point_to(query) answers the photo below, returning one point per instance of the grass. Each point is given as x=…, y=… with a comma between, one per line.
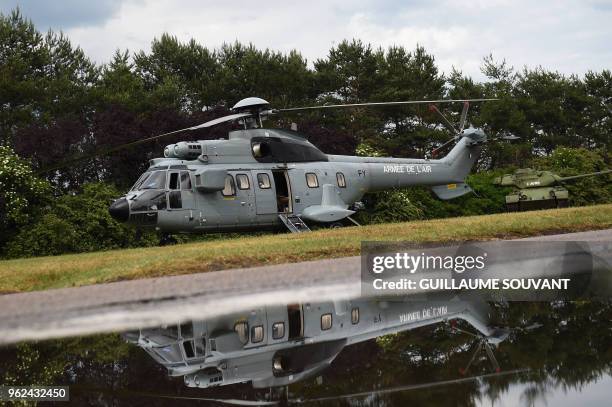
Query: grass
x=91, y=268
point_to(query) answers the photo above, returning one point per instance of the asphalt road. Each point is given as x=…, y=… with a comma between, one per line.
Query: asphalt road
x=152, y=302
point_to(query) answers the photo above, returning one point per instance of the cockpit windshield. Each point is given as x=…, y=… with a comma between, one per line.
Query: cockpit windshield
x=140, y=181
x=156, y=180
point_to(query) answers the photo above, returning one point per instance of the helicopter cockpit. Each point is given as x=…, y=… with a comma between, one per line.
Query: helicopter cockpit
x=159, y=188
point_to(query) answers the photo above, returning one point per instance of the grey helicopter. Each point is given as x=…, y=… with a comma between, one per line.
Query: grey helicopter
x=261, y=178
x=277, y=345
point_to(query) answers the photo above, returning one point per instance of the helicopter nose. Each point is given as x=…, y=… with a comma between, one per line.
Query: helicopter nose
x=120, y=210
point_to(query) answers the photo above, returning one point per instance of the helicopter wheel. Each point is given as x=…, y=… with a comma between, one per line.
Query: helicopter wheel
x=335, y=225
x=167, y=240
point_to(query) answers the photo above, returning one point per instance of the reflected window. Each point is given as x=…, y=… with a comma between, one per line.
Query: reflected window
x=341, y=180
x=185, y=181
x=200, y=347
x=170, y=353
x=187, y=330
x=278, y=330
x=230, y=187
x=189, y=349
x=157, y=180
x=326, y=322
x=263, y=180
x=242, y=329
x=257, y=334
x=174, y=181
x=243, y=181
x=355, y=316
x=311, y=180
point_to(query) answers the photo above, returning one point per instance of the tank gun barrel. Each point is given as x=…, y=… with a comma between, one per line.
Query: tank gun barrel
x=592, y=174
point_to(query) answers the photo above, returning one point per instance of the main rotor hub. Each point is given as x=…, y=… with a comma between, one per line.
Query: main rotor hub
x=251, y=104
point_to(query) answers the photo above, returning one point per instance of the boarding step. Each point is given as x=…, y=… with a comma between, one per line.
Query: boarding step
x=294, y=223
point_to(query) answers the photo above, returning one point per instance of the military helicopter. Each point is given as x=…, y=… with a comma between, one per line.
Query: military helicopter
x=262, y=178
x=538, y=189
x=277, y=345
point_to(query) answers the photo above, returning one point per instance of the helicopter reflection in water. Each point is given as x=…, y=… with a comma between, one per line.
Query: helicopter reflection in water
x=277, y=345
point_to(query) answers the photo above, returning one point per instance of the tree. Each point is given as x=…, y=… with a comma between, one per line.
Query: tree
x=21, y=193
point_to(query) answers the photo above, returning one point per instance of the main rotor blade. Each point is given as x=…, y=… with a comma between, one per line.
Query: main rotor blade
x=407, y=102
x=466, y=106
x=434, y=152
x=106, y=150
x=445, y=121
x=220, y=120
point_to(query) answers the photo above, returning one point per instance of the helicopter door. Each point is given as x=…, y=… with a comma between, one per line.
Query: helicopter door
x=265, y=197
x=283, y=191
x=180, y=192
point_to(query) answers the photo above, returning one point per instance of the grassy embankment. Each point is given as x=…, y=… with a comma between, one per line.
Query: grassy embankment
x=90, y=268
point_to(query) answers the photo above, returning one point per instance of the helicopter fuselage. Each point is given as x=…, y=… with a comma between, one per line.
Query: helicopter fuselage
x=257, y=176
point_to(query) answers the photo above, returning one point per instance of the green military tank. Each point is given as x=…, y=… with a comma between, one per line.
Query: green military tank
x=538, y=189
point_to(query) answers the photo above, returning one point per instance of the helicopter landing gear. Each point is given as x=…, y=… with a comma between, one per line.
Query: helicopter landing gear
x=167, y=240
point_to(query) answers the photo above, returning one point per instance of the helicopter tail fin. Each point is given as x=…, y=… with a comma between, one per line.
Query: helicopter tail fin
x=461, y=160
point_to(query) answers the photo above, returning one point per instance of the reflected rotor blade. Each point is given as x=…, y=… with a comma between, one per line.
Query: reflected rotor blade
x=466, y=106
x=407, y=102
x=411, y=387
x=445, y=121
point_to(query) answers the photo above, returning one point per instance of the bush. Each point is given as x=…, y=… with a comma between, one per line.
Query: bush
x=77, y=223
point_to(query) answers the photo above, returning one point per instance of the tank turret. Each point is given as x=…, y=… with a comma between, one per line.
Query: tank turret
x=536, y=189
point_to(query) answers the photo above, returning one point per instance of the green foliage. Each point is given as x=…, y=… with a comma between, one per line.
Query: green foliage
x=389, y=206
x=21, y=193
x=77, y=223
x=55, y=104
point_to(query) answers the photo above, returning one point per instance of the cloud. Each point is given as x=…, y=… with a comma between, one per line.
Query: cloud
x=564, y=35
x=63, y=14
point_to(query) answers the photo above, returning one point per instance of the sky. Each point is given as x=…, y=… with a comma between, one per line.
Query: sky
x=563, y=35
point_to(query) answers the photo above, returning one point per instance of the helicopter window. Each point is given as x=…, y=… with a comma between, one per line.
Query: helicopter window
x=200, y=347
x=341, y=180
x=243, y=181
x=188, y=347
x=186, y=330
x=355, y=316
x=326, y=322
x=175, y=200
x=157, y=180
x=242, y=329
x=149, y=201
x=263, y=180
x=230, y=187
x=311, y=180
x=140, y=181
x=257, y=334
x=185, y=181
x=174, y=180
x=278, y=330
